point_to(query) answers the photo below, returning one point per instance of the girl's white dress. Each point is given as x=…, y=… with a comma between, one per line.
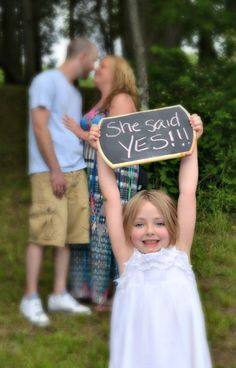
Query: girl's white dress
x=157, y=319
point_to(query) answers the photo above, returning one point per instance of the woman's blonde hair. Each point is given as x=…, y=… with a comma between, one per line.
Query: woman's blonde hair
x=123, y=80
x=162, y=202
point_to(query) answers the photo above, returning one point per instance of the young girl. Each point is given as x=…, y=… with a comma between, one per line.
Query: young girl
x=157, y=319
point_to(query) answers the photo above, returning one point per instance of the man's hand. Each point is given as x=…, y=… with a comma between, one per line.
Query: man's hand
x=58, y=183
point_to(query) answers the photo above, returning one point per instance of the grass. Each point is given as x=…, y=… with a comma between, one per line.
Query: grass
x=76, y=341
x=1, y=77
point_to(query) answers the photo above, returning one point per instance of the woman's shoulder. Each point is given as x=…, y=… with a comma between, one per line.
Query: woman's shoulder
x=122, y=103
x=122, y=97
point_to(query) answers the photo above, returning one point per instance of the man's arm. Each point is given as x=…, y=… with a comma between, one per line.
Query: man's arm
x=40, y=118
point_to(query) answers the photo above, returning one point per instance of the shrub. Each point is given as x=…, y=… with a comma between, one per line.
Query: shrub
x=209, y=92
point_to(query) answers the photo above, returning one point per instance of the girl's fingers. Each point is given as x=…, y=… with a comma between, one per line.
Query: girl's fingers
x=95, y=132
x=95, y=128
x=195, y=121
x=194, y=118
x=94, y=135
x=197, y=124
x=94, y=138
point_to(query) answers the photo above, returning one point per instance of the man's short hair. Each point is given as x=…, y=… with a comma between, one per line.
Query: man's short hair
x=78, y=45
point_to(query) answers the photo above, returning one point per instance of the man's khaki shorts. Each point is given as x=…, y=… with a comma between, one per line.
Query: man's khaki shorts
x=54, y=221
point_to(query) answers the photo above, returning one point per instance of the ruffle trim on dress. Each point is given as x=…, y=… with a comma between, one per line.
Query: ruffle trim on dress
x=162, y=260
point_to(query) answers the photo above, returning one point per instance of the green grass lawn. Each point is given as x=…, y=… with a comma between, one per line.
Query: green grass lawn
x=76, y=341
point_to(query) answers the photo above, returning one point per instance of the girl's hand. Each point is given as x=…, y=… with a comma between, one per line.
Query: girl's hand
x=197, y=124
x=70, y=123
x=94, y=135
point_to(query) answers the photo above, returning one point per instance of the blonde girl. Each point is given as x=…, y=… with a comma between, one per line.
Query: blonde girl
x=157, y=319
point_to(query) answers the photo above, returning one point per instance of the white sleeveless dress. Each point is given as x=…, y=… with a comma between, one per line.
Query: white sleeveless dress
x=157, y=319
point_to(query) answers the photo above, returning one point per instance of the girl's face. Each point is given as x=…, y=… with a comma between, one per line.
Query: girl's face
x=149, y=233
x=104, y=73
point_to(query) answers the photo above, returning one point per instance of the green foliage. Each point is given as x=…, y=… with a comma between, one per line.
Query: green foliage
x=1, y=77
x=209, y=92
x=87, y=83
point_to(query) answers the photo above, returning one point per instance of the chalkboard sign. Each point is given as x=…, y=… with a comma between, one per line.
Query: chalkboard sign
x=146, y=136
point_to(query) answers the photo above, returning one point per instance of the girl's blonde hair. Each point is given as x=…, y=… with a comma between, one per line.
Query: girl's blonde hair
x=123, y=80
x=162, y=202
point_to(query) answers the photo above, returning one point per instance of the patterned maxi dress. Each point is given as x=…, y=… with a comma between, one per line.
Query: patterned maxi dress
x=92, y=267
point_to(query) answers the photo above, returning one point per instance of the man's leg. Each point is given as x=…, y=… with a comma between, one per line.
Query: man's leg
x=61, y=265
x=61, y=300
x=34, y=254
x=31, y=306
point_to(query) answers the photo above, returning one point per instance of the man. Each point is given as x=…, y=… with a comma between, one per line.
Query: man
x=59, y=214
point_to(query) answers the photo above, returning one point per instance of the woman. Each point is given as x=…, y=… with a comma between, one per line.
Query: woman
x=93, y=267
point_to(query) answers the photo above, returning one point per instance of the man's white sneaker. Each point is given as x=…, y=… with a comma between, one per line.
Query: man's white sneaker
x=66, y=303
x=32, y=310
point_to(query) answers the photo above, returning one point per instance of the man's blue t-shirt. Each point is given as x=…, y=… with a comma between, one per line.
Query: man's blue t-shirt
x=51, y=89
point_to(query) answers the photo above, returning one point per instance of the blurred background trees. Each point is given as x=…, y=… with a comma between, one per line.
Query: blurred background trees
x=28, y=29
x=188, y=53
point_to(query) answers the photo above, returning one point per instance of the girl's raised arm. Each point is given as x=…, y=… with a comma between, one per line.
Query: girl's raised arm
x=113, y=212
x=188, y=179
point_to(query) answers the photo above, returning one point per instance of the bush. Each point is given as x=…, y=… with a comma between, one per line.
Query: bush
x=209, y=92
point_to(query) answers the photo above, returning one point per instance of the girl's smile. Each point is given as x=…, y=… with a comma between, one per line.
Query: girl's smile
x=149, y=233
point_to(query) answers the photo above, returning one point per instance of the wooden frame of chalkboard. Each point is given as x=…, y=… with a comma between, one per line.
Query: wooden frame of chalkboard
x=174, y=132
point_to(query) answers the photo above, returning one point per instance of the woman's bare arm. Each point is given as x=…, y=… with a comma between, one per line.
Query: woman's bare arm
x=75, y=128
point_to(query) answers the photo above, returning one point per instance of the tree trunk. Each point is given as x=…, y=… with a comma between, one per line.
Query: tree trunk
x=139, y=52
x=230, y=44
x=125, y=31
x=11, y=58
x=105, y=25
x=29, y=44
x=206, y=50
x=112, y=26
x=37, y=36
x=72, y=4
